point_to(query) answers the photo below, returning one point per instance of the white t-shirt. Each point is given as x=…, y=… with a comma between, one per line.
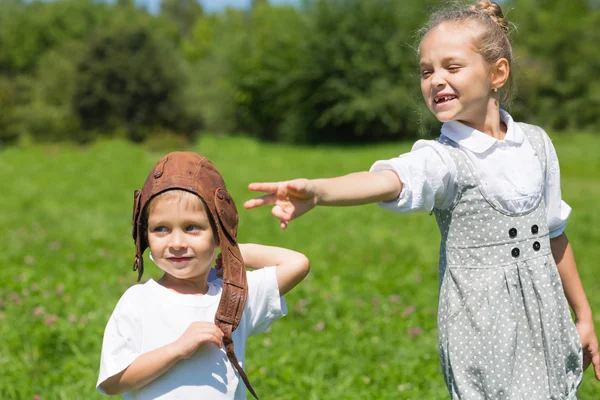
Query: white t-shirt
x=149, y=316
x=508, y=168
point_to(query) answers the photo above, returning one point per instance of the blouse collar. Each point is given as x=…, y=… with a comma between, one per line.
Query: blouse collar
x=477, y=141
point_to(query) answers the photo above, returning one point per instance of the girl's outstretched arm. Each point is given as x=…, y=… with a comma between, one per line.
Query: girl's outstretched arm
x=565, y=261
x=291, y=199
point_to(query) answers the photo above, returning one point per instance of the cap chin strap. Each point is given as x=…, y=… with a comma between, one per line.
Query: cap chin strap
x=235, y=285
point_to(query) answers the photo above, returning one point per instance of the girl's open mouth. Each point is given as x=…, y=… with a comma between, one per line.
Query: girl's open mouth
x=443, y=99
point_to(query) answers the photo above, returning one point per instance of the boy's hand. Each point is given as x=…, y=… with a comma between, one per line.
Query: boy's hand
x=290, y=199
x=589, y=344
x=195, y=335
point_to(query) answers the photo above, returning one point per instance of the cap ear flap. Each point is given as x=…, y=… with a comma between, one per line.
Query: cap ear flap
x=137, y=197
x=227, y=214
x=138, y=262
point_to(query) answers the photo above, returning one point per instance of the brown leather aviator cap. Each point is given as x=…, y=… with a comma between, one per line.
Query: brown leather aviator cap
x=197, y=174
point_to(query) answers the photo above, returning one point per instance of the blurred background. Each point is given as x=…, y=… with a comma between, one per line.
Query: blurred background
x=305, y=72
x=93, y=92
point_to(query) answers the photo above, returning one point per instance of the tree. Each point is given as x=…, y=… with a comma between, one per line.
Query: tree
x=256, y=3
x=183, y=12
x=554, y=66
x=130, y=78
x=342, y=71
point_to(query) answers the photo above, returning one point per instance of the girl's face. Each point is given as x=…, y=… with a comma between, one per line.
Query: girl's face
x=181, y=240
x=455, y=79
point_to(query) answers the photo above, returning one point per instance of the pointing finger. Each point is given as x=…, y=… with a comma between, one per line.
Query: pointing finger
x=268, y=187
x=260, y=201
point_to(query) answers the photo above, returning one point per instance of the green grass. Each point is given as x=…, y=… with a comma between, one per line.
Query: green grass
x=361, y=326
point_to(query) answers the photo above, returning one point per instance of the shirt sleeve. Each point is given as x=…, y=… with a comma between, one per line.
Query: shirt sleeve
x=122, y=341
x=428, y=176
x=264, y=304
x=557, y=210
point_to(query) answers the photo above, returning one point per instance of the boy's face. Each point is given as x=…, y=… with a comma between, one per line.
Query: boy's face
x=180, y=237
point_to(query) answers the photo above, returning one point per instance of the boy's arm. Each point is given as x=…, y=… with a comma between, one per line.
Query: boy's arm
x=290, y=266
x=149, y=366
x=565, y=261
x=293, y=198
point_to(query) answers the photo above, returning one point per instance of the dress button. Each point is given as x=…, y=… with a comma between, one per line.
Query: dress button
x=536, y=246
x=534, y=229
x=512, y=232
x=515, y=252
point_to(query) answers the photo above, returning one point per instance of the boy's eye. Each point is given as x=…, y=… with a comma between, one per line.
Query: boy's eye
x=453, y=68
x=159, y=229
x=191, y=228
x=425, y=73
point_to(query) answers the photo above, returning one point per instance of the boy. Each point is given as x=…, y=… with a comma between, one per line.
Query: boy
x=161, y=341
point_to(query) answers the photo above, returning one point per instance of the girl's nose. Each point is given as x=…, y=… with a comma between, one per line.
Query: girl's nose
x=437, y=80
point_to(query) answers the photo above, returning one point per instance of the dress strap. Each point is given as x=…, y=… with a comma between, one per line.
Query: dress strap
x=465, y=175
x=537, y=139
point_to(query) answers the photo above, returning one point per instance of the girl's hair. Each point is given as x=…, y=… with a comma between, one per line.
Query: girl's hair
x=188, y=199
x=492, y=41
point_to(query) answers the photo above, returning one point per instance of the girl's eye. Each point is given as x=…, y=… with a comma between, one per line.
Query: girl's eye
x=453, y=68
x=425, y=74
x=191, y=228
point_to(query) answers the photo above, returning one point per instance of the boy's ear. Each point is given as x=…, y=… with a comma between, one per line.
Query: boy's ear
x=500, y=72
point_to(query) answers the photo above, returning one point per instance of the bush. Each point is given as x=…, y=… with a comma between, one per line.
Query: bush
x=339, y=71
x=130, y=78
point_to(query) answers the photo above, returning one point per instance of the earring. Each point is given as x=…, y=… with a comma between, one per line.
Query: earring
x=495, y=90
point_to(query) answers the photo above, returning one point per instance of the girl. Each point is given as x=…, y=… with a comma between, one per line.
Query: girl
x=506, y=265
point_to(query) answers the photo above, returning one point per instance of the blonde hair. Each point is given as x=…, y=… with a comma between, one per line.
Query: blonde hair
x=188, y=199
x=492, y=41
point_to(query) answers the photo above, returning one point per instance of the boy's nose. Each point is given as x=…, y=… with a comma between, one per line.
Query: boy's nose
x=177, y=240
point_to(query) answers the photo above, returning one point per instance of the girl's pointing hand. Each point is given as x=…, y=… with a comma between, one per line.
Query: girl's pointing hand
x=290, y=199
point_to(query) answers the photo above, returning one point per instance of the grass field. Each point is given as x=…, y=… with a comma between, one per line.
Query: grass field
x=361, y=326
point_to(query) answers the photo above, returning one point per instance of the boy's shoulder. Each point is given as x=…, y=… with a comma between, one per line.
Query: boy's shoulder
x=134, y=295
x=138, y=289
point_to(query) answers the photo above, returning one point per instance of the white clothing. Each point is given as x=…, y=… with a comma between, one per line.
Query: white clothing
x=149, y=316
x=509, y=171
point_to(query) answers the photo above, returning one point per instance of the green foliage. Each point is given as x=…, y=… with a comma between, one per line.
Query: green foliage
x=325, y=71
x=183, y=12
x=361, y=326
x=216, y=43
x=336, y=72
x=557, y=57
x=28, y=30
x=130, y=78
x=364, y=68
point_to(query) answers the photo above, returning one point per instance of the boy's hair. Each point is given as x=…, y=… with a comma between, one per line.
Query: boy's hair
x=196, y=174
x=492, y=41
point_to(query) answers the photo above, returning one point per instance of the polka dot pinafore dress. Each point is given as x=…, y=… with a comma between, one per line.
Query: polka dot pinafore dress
x=504, y=326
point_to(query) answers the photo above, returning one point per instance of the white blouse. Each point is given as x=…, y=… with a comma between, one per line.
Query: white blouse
x=509, y=170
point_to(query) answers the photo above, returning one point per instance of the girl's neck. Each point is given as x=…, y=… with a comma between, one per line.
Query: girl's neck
x=490, y=123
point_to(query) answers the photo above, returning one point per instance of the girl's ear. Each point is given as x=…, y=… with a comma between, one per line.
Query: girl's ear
x=500, y=71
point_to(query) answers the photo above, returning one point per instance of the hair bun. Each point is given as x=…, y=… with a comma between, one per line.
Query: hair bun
x=492, y=10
